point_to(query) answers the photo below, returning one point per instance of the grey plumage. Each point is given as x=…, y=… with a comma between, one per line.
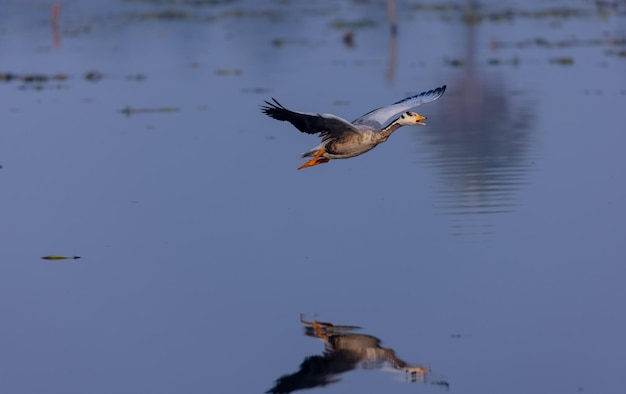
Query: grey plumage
x=342, y=139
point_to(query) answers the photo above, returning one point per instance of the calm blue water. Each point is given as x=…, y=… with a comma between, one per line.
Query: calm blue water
x=488, y=246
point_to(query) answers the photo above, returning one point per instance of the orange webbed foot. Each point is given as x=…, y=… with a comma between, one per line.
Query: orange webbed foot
x=317, y=159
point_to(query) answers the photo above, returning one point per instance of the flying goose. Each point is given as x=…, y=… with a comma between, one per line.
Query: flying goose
x=342, y=139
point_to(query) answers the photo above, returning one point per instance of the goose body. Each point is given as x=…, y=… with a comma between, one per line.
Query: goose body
x=342, y=139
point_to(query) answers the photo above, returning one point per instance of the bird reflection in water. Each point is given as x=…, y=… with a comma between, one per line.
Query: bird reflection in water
x=345, y=351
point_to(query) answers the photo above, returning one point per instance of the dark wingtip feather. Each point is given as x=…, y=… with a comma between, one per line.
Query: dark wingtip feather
x=277, y=103
x=275, y=110
x=269, y=108
x=437, y=92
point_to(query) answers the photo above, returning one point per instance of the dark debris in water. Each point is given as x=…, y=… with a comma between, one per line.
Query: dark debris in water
x=348, y=38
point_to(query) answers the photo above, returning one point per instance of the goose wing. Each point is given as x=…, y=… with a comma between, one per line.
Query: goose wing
x=381, y=115
x=327, y=125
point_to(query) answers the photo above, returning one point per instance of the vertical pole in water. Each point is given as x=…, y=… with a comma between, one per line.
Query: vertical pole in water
x=56, y=8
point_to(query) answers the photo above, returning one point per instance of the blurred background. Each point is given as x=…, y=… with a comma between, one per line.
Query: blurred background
x=487, y=247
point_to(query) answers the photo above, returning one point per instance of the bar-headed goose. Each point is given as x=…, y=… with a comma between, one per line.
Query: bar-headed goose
x=342, y=139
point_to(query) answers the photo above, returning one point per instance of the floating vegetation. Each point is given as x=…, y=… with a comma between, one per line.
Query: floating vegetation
x=226, y=72
x=55, y=257
x=476, y=15
x=31, y=78
x=35, y=81
x=278, y=42
x=568, y=43
x=560, y=13
x=270, y=15
x=617, y=53
x=562, y=61
x=207, y=2
x=93, y=76
x=438, y=7
x=281, y=42
x=455, y=62
x=165, y=15
x=136, y=77
x=183, y=2
x=190, y=11
x=34, y=78
x=40, y=81
x=256, y=90
x=472, y=18
x=131, y=111
x=358, y=24
x=6, y=77
x=514, y=61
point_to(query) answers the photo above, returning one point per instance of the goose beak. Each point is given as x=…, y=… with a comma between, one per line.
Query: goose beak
x=419, y=120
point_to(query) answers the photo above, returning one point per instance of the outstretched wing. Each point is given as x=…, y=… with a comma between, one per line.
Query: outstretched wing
x=327, y=125
x=382, y=114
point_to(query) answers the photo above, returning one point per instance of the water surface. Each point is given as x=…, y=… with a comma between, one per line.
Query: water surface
x=487, y=246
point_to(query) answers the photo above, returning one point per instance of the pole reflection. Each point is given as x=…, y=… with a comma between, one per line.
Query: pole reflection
x=393, y=40
x=345, y=351
x=482, y=146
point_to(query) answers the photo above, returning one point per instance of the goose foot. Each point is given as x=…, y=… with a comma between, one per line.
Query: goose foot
x=317, y=159
x=320, y=327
